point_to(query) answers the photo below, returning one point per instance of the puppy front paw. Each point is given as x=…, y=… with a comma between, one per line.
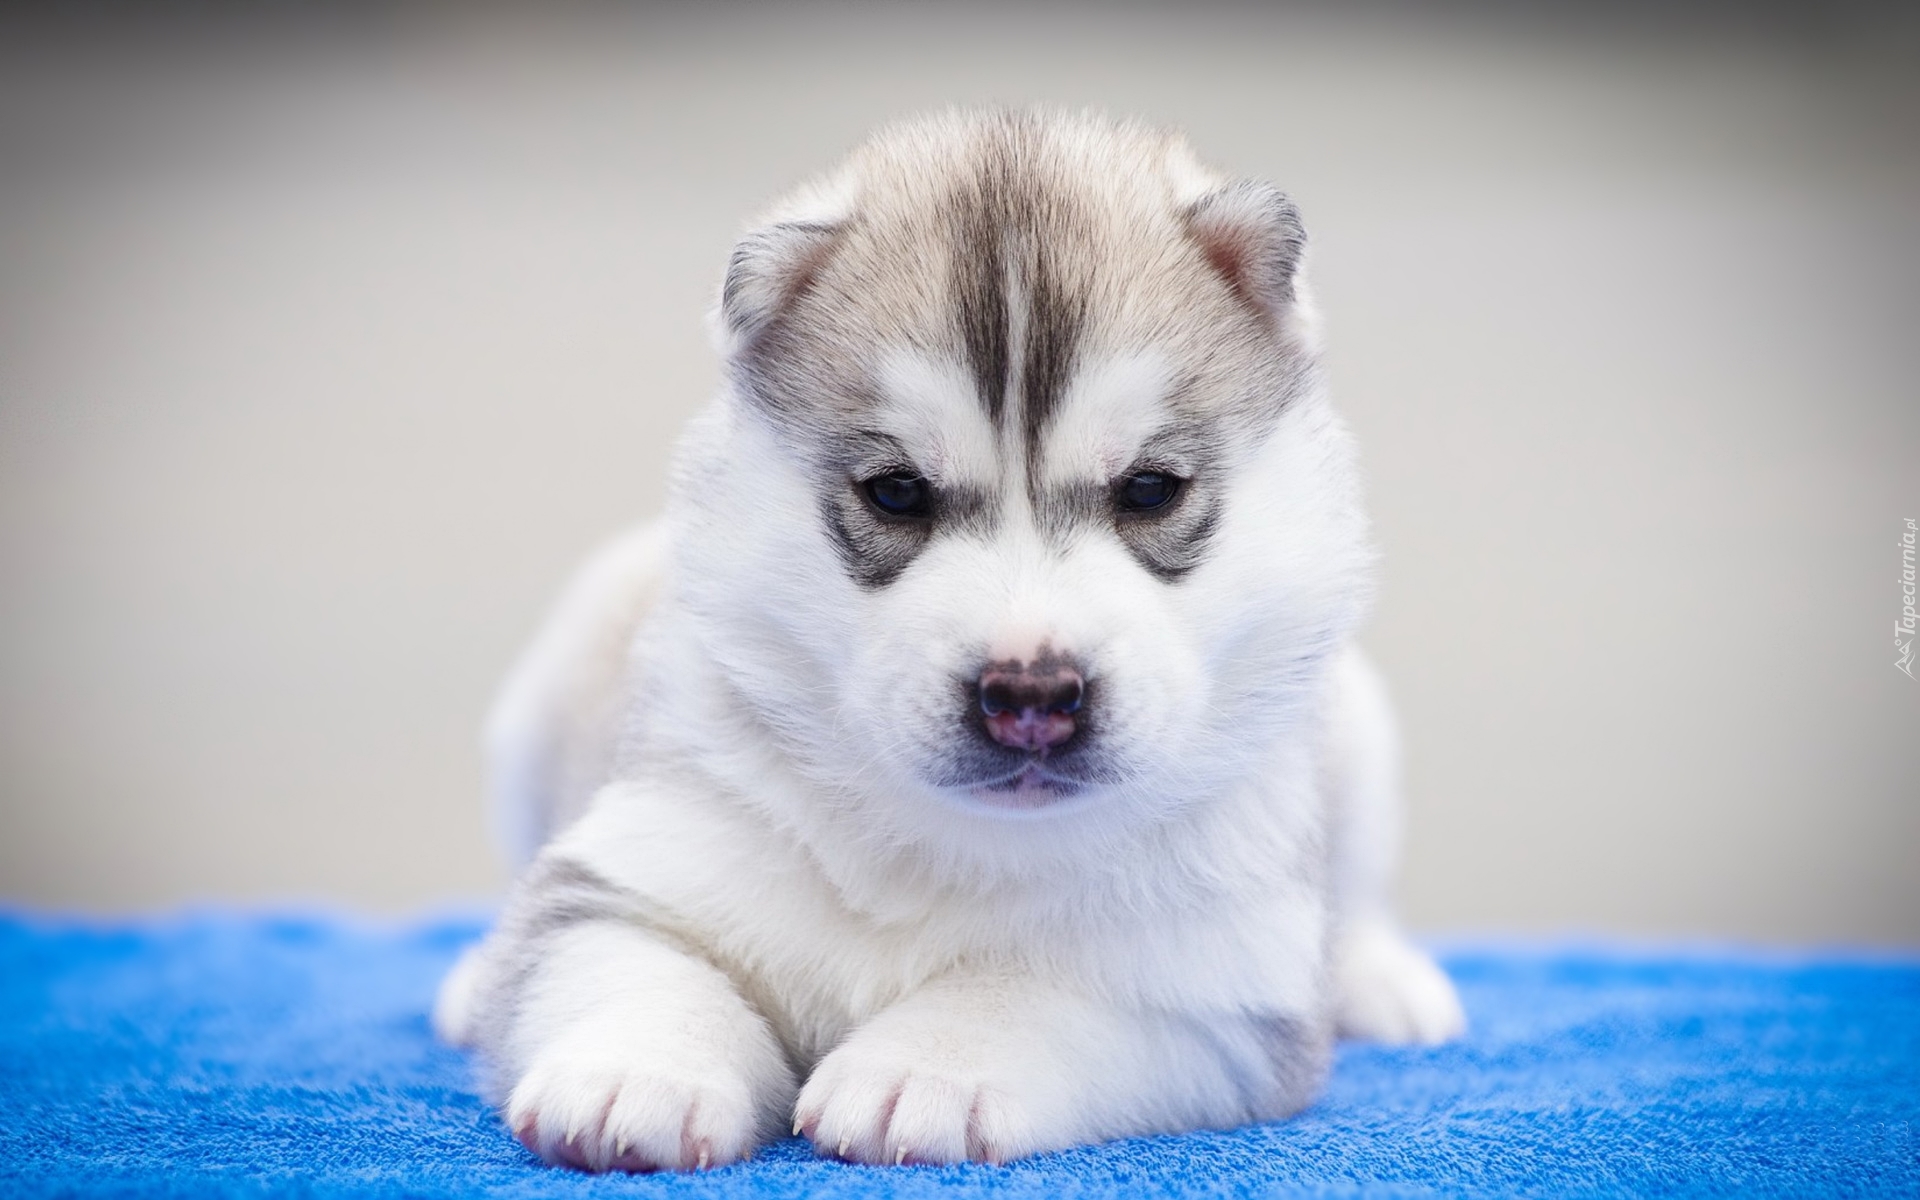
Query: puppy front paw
x=1391, y=991
x=594, y=1113
x=883, y=1100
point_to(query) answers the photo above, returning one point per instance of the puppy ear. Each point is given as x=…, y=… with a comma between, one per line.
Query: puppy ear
x=769, y=268
x=1252, y=235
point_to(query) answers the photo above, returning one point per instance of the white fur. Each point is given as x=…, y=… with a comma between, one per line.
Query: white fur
x=553, y=729
x=773, y=914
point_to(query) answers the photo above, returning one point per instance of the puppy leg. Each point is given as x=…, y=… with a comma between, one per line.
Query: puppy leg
x=616, y=1049
x=996, y=1068
x=1387, y=989
x=550, y=736
x=552, y=731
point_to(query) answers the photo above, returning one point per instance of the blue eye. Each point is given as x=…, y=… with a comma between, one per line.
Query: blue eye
x=900, y=495
x=1147, y=491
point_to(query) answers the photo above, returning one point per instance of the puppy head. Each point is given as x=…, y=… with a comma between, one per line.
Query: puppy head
x=1023, y=498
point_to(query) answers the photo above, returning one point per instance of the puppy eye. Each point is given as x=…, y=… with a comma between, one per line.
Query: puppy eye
x=1148, y=490
x=900, y=494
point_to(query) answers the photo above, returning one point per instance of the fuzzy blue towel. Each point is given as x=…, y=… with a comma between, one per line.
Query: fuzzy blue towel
x=242, y=1056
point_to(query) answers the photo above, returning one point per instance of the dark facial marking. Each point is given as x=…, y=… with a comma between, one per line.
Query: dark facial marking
x=1167, y=507
x=1007, y=224
x=1021, y=242
x=873, y=546
x=881, y=511
x=979, y=291
x=1170, y=541
x=1054, y=320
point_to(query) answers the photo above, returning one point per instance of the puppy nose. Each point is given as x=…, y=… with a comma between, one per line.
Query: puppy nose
x=1030, y=706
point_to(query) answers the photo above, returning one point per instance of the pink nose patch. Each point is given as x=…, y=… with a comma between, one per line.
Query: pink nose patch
x=1029, y=729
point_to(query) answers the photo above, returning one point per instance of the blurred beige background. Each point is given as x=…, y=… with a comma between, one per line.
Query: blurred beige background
x=327, y=347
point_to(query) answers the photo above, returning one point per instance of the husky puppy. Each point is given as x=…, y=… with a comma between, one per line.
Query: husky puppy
x=975, y=760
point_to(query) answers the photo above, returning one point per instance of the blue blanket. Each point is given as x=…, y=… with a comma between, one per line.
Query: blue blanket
x=220, y=1055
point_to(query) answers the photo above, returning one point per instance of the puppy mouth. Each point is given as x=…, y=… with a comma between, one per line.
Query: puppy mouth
x=1031, y=786
x=999, y=779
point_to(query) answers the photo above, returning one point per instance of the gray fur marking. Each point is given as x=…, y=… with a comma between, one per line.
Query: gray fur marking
x=1023, y=246
x=558, y=893
x=1007, y=225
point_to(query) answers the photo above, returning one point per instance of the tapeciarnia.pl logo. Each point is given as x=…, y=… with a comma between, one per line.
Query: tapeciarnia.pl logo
x=1903, y=628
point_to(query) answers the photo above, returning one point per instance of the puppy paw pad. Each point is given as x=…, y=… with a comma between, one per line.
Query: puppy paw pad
x=593, y=1118
x=904, y=1115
